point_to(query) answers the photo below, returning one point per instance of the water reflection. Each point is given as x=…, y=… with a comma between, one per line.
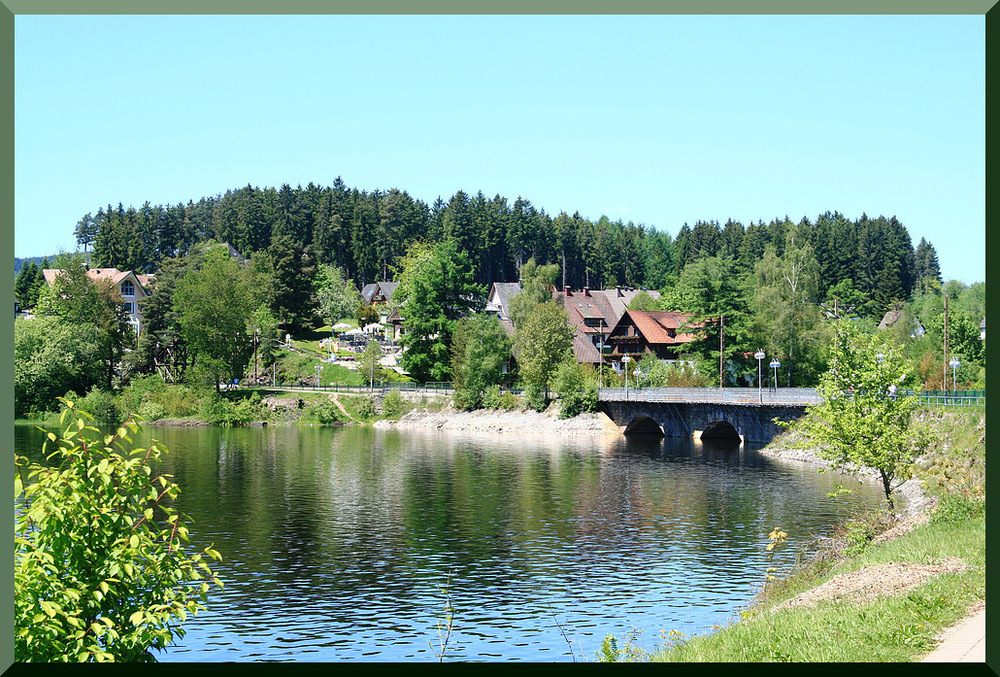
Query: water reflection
x=338, y=543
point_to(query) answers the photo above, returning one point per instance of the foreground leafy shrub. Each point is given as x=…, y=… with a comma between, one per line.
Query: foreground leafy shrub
x=100, y=570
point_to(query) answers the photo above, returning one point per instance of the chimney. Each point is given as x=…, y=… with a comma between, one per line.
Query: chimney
x=586, y=291
x=568, y=290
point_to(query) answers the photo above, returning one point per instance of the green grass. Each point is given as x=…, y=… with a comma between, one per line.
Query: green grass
x=891, y=629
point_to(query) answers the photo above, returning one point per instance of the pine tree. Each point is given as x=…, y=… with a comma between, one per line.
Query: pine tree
x=925, y=260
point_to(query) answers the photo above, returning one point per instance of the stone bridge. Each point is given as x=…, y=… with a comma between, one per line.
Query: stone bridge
x=743, y=413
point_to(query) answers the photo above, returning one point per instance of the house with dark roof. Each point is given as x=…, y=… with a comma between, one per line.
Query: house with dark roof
x=646, y=332
x=378, y=293
x=498, y=302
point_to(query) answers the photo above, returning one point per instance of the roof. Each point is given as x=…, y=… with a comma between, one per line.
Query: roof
x=383, y=289
x=890, y=318
x=658, y=327
x=500, y=295
x=584, y=349
x=620, y=297
x=112, y=275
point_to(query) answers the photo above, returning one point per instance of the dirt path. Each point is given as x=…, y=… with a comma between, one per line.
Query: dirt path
x=336, y=400
x=877, y=580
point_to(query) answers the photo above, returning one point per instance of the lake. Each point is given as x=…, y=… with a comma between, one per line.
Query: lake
x=347, y=543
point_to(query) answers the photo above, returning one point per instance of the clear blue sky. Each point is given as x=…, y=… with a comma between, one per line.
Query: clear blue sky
x=660, y=120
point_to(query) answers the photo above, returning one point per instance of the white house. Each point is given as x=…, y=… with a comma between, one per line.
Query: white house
x=129, y=285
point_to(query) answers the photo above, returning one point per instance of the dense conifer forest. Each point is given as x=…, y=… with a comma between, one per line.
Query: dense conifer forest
x=366, y=234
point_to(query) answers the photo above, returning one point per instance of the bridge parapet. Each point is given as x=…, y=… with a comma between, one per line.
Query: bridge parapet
x=745, y=396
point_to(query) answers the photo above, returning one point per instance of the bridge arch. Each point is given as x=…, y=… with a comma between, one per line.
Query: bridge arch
x=643, y=425
x=720, y=430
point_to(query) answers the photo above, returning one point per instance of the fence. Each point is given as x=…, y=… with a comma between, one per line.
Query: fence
x=779, y=396
x=793, y=396
x=785, y=396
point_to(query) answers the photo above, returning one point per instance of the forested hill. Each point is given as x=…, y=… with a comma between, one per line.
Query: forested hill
x=367, y=232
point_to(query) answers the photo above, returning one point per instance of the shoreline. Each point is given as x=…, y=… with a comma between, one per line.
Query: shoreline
x=492, y=421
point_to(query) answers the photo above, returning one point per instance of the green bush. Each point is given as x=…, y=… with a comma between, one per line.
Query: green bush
x=179, y=401
x=323, y=411
x=491, y=398
x=535, y=397
x=365, y=407
x=393, y=404
x=510, y=402
x=578, y=401
x=219, y=410
x=102, y=407
x=151, y=411
x=953, y=508
x=142, y=389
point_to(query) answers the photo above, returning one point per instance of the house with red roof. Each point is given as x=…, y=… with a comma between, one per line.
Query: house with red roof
x=646, y=332
x=593, y=314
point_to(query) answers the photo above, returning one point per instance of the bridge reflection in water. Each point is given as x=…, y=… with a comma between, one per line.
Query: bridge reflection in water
x=742, y=414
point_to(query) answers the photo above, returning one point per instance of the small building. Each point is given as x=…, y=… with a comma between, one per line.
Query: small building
x=643, y=332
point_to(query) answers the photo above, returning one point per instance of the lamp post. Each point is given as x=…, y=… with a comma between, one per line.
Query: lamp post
x=774, y=365
x=954, y=364
x=638, y=373
x=760, y=393
x=625, y=360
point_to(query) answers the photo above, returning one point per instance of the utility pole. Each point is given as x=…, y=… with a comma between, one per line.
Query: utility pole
x=944, y=358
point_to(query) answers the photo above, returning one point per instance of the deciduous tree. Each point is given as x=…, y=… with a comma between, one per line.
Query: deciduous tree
x=479, y=349
x=439, y=291
x=214, y=304
x=863, y=418
x=541, y=343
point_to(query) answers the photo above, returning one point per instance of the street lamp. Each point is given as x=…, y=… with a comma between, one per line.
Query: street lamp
x=638, y=373
x=954, y=364
x=774, y=365
x=625, y=360
x=760, y=393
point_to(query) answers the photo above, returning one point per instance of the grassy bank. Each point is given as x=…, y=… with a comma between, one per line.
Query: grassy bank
x=870, y=595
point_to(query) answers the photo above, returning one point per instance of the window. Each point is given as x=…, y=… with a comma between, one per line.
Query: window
x=128, y=289
x=127, y=307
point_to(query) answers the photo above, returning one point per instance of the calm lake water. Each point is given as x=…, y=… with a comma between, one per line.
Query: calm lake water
x=344, y=543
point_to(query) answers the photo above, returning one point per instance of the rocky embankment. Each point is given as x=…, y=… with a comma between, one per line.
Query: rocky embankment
x=492, y=422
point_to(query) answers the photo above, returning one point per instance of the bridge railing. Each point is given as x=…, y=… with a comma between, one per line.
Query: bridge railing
x=786, y=396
